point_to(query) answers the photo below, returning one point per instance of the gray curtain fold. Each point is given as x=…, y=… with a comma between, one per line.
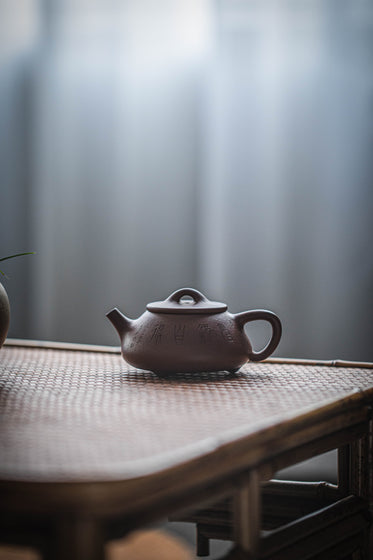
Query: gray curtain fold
x=151, y=145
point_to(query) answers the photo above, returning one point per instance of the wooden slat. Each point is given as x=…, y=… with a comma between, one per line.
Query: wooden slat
x=68, y=346
x=331, y=363
x=285, y=499
x=25, y=343
x=331, y=524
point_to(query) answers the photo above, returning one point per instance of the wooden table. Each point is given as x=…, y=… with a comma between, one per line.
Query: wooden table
x=91, y=448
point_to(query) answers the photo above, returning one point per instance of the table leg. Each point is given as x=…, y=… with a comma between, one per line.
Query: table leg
x=76, y=539
x=344, y=454
x=247, y=516
x=361, y=468
x=356, y=474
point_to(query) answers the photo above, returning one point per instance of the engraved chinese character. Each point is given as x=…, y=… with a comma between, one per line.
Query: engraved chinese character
x=179, y=333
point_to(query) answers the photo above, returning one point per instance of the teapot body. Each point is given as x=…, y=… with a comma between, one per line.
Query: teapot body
x=191, y=336
x=167, y=343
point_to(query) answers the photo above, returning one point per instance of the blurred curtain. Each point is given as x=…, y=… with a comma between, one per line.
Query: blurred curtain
x=152, y=144
x=290, y=141
x=117, y=100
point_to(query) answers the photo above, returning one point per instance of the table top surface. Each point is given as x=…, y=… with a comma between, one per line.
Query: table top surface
x=73, y=413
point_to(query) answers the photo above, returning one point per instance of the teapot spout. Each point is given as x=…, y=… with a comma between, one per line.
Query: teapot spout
x=120, y=321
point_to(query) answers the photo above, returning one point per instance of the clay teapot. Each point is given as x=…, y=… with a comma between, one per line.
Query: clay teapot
x=188, y=333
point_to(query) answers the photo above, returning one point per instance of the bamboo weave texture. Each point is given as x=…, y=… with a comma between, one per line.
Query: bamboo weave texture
x=89, y=416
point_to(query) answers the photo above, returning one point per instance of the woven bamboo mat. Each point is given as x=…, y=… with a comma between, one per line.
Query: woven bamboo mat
x=81, y=415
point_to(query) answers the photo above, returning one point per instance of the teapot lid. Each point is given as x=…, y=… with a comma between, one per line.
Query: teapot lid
x=194, y=302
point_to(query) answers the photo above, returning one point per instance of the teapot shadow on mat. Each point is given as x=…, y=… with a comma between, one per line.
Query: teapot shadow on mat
x=203, y=379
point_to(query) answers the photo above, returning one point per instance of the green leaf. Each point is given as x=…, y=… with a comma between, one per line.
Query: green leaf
x=16, y=255
x=12, y=257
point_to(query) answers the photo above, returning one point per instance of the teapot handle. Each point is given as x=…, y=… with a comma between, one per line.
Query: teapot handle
x=262, y=315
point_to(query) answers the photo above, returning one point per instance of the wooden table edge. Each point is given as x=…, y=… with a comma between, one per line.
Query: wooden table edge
x=71, y=346
x=229, y=461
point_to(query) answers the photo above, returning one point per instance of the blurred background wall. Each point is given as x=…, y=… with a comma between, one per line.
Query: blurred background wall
x=147, y=145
